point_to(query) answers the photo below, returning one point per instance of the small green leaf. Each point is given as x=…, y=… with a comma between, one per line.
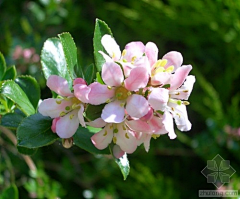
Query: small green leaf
x=53, y=60
x=89, y=73
x=99, y=78
x=82, y=138
x=78, y=71
x=35, y=131
x=101, y=28
x=26, y=151
x=11, y=73
x=12, y=120
x=70, y=52
x=30, y=86
x=93, y=112
x=10, y=192
x=3, y=67
x=166, y=86
x=124, y=166
x=13, y=91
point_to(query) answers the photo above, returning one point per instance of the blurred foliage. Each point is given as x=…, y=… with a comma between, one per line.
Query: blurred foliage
x=206, y=32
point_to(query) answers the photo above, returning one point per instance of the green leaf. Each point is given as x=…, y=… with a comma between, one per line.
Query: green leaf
x=2, y=66
x=93, y=112
x=11, y=73
x=99, y=78
x=26, y=151
x=30, y=86
x=35, y=131
x=78, y=71
x=82, y=138
x=12, y=120
x=53, y=60
x=101, y=28
x=70, y=52
x=13, y=91
x=10, y=192
x=124, y=166
x=89, y=73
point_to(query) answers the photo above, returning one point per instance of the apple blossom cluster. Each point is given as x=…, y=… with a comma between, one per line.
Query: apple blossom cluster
x=142, y=96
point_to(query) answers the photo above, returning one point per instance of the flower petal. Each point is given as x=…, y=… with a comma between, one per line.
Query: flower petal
x=111, y=47
x=139, y=126
x=179, y=76
x=54, y=122
x=134, y=50
x=168, y=123
x=161, y=78
x=151, y=52
x=67, y=125
x=112, y=74
x=99, y=93
x=117, y=152
x=126, y=140
x=138, y=78
x=185, y=90
x=97, y=123
x=181, y=118
x=79, y=81
x=59, y=85
x=81, y=92
x=80, y=116
x=53, y=107
x=113, y=112
x=137, y=106
x=158, y=98
x=174, y=58
x=103, y=138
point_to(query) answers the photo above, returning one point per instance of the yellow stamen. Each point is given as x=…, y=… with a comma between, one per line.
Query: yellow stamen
x=126, y=135
x=124, y=52
x=58, y=101
x=169, y=69
x=114, y=140
x=105, y=133
x=155, y=136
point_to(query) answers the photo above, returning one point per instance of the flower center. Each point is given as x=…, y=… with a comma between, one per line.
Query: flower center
x=122, y=93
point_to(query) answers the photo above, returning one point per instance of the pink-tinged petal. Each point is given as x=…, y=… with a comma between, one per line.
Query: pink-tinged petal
x=134, y=50
x=81, y=92
x=146, y=142
x=80, y=116
x=68, y=125
x=111, y=47
x=99, y=93
x=143, y=62
x=53, y=107
x=137, y=106
x=97, y=123
x=151, y=51
x=180, y=116
x=174, y=58
x=138, y=78
x=179, y=76
x=127, y=67
x=117, y=152
x=157, y=125
x=161, y=78
x=54, y=122
x=103, y=138
x=59, y=85
x=185, y=90
x=79, y=81
x=148, y=116
x=112, y=74
x=168, y=123
x=113, y=112
x=139, y=126
x=126, y=140
x=158, y=98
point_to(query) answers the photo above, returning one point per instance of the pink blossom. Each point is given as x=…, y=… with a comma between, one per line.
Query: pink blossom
x=119, y=134
x=120, y=93
x=132, y=56
x=67, y=110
